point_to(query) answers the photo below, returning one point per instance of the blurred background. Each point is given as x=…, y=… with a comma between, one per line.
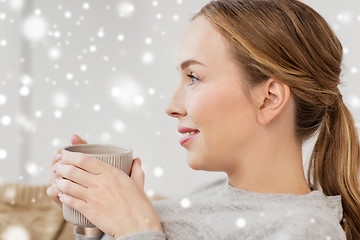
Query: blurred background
x=105, y=70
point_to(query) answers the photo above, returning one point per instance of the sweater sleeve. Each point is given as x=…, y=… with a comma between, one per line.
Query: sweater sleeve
x=145, y=235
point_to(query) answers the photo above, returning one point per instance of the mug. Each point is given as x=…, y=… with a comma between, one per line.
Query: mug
x=117, y=156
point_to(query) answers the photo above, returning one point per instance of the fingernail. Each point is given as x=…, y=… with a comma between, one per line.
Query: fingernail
x=60, y=194
x=139, y=161
x=54, y=168
x=59, y=156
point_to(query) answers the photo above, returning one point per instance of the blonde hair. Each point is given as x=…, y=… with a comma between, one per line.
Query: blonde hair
x=291, y=42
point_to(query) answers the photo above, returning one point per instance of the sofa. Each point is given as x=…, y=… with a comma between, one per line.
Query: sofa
x=27, y=213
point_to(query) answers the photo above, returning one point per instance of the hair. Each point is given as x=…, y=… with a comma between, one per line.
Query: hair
x=289, y=41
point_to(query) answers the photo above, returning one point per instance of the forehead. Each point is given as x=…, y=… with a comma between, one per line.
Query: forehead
x=202, y=42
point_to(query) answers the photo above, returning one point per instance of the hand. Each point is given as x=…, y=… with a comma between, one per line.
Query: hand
x=105, y=195
x=53, y=190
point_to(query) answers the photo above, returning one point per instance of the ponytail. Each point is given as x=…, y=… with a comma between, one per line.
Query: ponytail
x=335, y=163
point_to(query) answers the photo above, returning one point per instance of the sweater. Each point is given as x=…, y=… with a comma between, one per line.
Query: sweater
x=220, y=211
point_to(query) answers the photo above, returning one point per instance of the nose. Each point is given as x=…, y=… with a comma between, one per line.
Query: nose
x=176, y=106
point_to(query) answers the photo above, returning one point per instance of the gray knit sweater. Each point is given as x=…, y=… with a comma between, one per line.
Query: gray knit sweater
x=220, y=211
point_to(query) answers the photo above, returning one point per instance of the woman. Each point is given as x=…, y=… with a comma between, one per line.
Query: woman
x=258, y=78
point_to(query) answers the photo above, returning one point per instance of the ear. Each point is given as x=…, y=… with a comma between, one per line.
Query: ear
x=272, y=96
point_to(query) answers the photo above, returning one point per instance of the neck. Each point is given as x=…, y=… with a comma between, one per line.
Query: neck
x=271, y=170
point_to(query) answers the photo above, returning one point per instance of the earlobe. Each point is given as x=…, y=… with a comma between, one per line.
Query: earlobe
x=274, y=98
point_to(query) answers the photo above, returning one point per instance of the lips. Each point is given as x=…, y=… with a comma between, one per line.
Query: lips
x=189, y=134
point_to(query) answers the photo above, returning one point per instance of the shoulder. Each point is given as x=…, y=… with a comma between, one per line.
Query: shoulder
x=310, y=224
x=296, y=224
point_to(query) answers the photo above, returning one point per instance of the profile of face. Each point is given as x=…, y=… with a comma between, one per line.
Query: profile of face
x=209, y=101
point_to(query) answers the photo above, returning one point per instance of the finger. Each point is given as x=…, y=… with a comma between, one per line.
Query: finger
x=70, y=188
x=137, y=173
x=53, y=192
x=54, y=158
x=74, y=174
x=53, y=174
x=72, y=202
x=85, y=162
x=75, y=139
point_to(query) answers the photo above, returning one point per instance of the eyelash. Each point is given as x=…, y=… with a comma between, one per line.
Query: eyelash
x=191, y=78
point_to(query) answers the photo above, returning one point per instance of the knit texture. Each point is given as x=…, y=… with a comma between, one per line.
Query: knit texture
x=220, y=211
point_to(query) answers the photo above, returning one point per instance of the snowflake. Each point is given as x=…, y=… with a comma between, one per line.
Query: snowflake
x=148, y=41
x=354, y=101
x=158, y=172
x=97, y=107
x=185, y=203
x=24, y=91
x=15, y=233
x=147, y=58
x=175, y=17
x=151, y=91
x=86, y=6
x=158, y=16
x=37, y=12
x=57, y=114
x=67, y=14
x=105, y=137
x=120, y=37
x=38, y=113
x=6, y=120
x=2, y=16
x=240, y=222
x=35, y=28
x=150, y=193
x=2, y=99
x=54, y=53
x=55, y=142
x=3, y=42
x=32, y=169
x=92, y=48
x=119, y=126
x=3, y=154
x=345, y=17
x=83, y=67
x=139, y=100
x=16, y=4
x=125, y=9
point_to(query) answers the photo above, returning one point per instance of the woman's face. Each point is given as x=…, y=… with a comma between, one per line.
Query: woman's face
x=209, y=101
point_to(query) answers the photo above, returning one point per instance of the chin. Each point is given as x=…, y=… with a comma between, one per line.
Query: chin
x=198, y=164
x=194, y=163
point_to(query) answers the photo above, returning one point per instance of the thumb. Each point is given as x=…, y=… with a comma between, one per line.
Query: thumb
x=75, y=139
x=137, y=173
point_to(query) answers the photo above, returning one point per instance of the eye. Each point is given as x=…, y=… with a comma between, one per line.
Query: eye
x=193, y=79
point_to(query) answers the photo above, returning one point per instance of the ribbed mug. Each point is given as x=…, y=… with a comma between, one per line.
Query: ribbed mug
x=117, y=156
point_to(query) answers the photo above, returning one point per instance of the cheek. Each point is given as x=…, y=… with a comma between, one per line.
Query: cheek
x=214, y=106
x=222, y=114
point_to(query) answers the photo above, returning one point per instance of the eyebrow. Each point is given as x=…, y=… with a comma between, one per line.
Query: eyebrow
x=189, y=62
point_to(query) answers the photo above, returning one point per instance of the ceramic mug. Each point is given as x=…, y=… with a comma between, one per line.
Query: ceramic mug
x=117, y=156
